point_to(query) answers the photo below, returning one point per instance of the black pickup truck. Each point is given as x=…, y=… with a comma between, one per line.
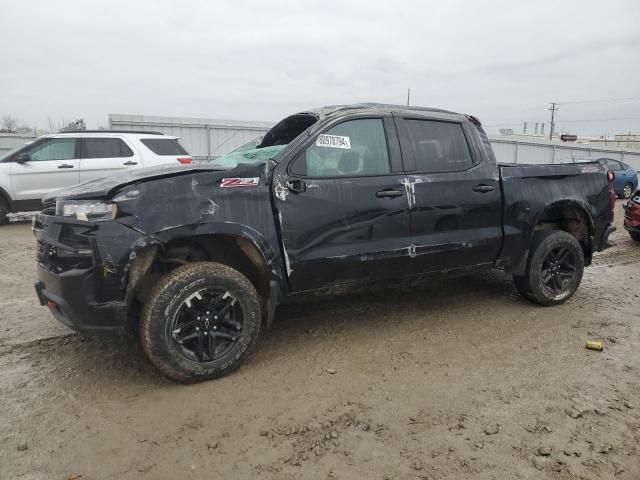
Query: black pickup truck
x=196, y=258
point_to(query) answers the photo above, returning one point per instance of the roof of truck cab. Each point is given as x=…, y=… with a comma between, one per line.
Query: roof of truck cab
x=385, y=107
x=374, y=108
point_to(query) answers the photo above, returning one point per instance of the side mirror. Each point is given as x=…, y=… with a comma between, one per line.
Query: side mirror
x=22, y=158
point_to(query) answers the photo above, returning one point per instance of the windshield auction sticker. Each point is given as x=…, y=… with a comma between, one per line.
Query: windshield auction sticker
x=333, y=141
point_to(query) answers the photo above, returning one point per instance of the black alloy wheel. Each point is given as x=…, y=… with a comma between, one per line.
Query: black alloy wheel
x=558, y=270
x=200, y=321
x=554, y=268
x=207, y=325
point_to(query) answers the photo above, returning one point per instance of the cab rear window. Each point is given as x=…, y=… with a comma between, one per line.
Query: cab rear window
x=164, y=146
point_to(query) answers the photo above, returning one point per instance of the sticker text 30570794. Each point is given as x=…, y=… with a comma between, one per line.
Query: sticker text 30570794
x=333, y=141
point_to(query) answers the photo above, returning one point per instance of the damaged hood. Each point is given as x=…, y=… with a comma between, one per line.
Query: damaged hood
x=105, y=186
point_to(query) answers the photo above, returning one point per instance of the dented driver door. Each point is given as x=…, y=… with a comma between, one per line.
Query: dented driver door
x=342, y=206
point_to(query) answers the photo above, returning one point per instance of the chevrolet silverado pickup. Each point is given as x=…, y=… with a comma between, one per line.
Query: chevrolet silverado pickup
x=196, y=258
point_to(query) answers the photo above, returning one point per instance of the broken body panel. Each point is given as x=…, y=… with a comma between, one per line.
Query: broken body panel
x=302, y=233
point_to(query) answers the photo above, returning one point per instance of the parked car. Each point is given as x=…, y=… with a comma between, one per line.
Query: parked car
x=65, y=159
x=632, y=217
x=196, y=259
x=626, y=177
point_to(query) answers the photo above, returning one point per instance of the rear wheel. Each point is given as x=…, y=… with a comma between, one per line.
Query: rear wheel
x=635, y=236
x=200, y=322
x=554, y=269
x=522, y=287
x=627, y=191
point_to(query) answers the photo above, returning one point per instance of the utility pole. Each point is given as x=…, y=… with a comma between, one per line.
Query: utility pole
x=408, y=95
x=553, y=109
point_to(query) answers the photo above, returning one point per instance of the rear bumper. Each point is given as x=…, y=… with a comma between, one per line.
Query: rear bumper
x=632, y=230
x=632, y=216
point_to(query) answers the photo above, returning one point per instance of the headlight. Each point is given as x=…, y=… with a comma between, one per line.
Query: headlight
x=86, y=210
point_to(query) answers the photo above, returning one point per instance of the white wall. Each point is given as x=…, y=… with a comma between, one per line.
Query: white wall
x=518, y=151
x=202, y=137
x=9, y=141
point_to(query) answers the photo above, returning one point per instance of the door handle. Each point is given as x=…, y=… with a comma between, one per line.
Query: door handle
x=65, y=165
x=484, y=188
x=296, y=186
x=130, y=162
x=388, y=193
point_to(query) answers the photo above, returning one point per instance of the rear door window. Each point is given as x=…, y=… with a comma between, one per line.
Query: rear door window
x=105, y=148
x=54, y=149
x=164, y=146
x=436, y=146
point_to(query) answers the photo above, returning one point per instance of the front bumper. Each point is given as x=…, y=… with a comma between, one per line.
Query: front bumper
x=63, y=295
x=82, y=271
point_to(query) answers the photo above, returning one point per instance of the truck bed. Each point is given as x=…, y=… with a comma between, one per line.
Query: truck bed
x=539, y=192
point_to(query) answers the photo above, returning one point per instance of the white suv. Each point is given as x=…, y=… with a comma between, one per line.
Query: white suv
x=64, y=159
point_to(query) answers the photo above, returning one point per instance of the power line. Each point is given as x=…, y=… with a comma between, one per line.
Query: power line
x=570, y=121
x=515, y=112
x=604, y=100
x=600, y=119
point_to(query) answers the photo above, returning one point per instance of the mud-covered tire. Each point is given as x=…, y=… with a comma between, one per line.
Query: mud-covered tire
x=166, y=302
x=534, y=284
x=4, y=210
x=635, y=236
x=522, y=287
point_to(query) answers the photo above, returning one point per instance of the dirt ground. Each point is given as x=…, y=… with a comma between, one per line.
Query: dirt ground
x=459, y=379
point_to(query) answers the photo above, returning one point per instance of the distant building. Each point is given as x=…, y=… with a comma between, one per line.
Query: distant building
x=627, y=140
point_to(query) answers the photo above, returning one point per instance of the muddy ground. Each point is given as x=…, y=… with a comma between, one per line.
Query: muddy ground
x=459, y=379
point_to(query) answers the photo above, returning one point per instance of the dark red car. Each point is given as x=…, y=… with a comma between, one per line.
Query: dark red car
x=632, y=217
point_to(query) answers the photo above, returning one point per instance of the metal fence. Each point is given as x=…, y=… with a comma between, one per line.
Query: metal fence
x=519, y=151
x=210, y=138
x=9, y=141
x=203, y=138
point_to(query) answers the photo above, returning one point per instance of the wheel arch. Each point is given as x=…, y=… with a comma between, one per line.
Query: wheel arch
x=4, y=195
x=235, y=246
x=573, y=217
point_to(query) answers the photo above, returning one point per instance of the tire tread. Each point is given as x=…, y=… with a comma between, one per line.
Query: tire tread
x=182, y=274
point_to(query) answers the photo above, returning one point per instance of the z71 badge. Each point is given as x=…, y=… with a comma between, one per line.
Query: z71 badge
x=240, y=182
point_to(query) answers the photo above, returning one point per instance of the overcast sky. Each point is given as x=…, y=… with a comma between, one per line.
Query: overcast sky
x=502, y=61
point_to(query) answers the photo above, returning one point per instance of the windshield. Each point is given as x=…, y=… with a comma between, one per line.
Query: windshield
x=250, y=145
x=251, y=155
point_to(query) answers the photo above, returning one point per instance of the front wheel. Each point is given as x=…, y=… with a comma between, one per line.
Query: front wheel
x=200, y=322
x=627, y=191
x=4, y=210
x=554, y=269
